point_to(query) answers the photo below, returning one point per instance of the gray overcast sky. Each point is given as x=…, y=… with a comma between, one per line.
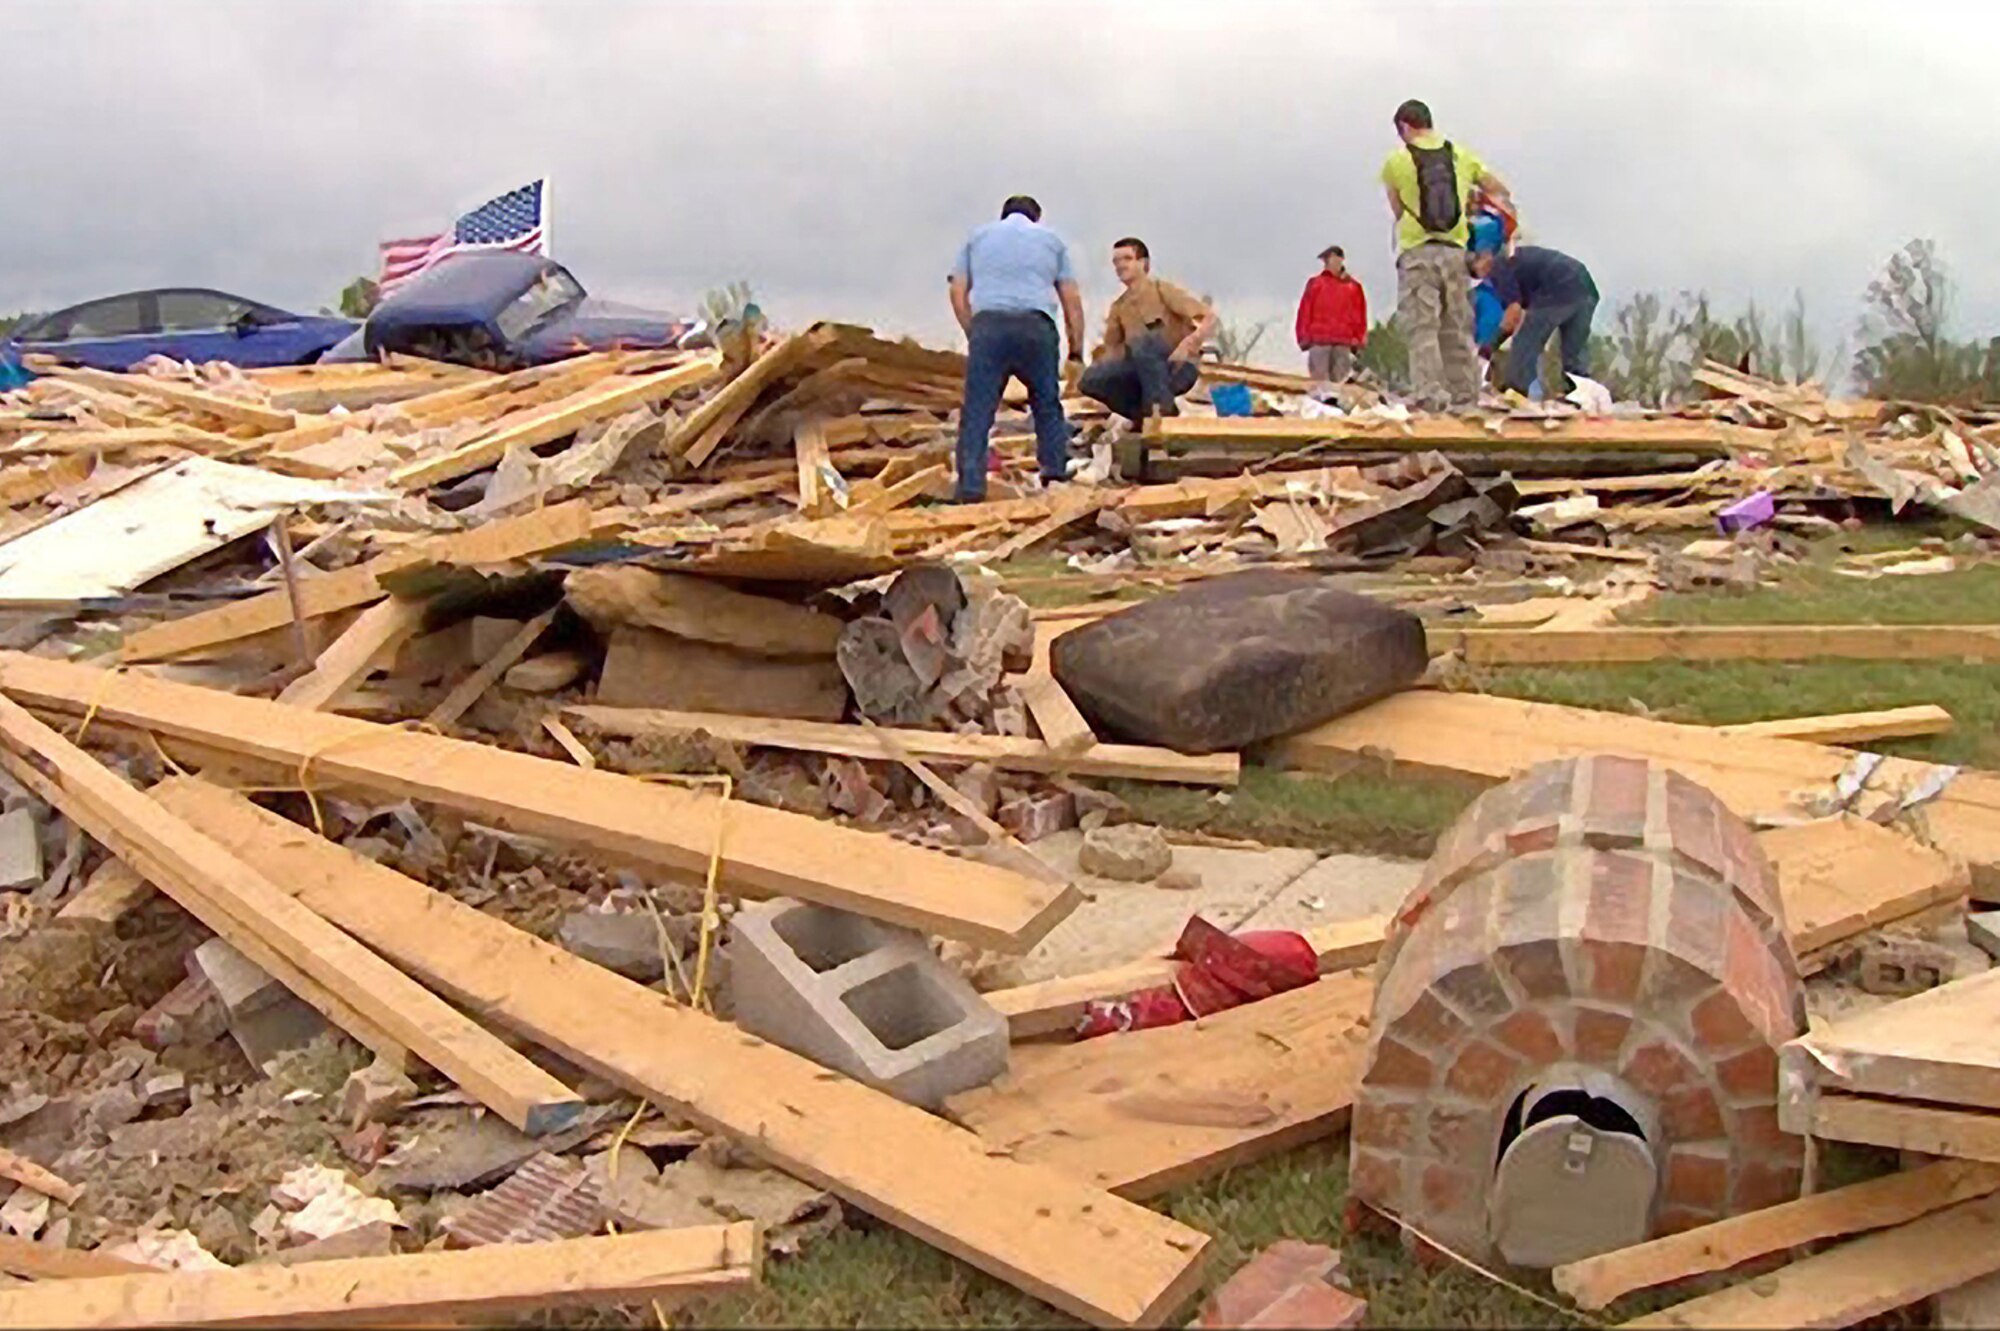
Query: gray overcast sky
x=834, y=153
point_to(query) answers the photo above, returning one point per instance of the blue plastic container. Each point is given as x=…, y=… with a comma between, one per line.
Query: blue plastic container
x=1230, y=399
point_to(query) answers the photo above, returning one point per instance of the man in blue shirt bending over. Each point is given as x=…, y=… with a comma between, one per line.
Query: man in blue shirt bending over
x=1010, y=279
x=1545, y=294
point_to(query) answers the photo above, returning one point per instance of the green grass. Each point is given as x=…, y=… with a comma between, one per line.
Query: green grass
x=1363, y=811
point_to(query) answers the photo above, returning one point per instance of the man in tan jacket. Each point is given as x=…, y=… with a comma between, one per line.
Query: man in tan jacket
x=1152, y=340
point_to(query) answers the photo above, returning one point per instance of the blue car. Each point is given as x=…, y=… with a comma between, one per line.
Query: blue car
x=186, y=323
x=501, y=310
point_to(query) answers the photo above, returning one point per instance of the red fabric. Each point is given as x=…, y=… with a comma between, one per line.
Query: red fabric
x=1332, y=312
x=1218, y=971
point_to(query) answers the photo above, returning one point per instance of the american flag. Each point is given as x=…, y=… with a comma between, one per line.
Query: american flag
x=516, y=220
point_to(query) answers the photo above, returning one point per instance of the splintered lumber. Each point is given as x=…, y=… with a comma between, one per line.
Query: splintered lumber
x=1878, y=1203
x=810, y=444
x=662, y=828
x=565, y=416
x=1942, y=1046
x=236, y=902
x=1147, y=1111
x=1840, y=877
x=1851, y=727
x=233, y=410
x=31, y=1175
x=473, y=687
x=485, y=1282
x=1135, y=762
x=107, y=894
x=1068, y=510
x=700, y=432
x=1450, y=434
x=372, y=638
x=490, y=543
x=1552, y=644
x=700, y=609
x=1856, y=1281
x=1428, y=731
x=1964, y=1134
x=1038, y=1229
x=1053, y=1007
x=1064, y=728
x=43, y=1261
x=1003, y=844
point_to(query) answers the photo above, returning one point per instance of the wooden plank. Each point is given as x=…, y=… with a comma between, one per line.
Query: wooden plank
x=31, y=1175
x=1012, y=753
x=690, y=439
x=1426, y=730
x=1068, y=510
x=1840, y=877
x=1941, y=1046
x=1858, y=1280
x=893, y=497
x=809, y=444
x=236, y=901
x=1449, y=434
x=490, y=543
x=233, y=410
x=1876, y=1204
x=661, y=828
x=571, y=745
x=1147, y=1111
x=1001, y=842
x=1065, y=729
x=373, y=637
x=473, y=687
x=1053, y=1007
x=485, y=1282
x=1757, y=642
x=562, y=417
x=1852, y=727
x=1958, y=1133
x=1041, y=1231
x=42, y=1261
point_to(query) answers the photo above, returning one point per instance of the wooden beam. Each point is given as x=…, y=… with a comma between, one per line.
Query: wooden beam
x=1856, y=1281
x=1927, y=1129
x=1065, y=729
x=372, y=638
x=1001, y=842
x=700, y=432
x=1941, y=1046
x=893, y=497
x=42, y=1261
x=490, y=543
x=31, y=1175
x=1426, y=730
x=609, y=397
x=1053, y=1007
x=1042, y=1231
x=473, y=687
x=1145, y=1112
x=233, y=410
x=1878, y=1203
x=661, y=828
x=115, y=888
x=809, y=445
x=1851, y=727
x=237, y=902
x=485, y=1283
x=1068, y=510
x=1840, y=877
x=1758, y=642
x=1134, y=762
x=1450, y=434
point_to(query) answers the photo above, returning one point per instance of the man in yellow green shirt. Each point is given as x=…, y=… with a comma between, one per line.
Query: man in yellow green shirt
x=1429, y=181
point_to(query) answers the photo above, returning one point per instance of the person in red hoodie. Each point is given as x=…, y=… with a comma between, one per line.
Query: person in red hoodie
x=1333, y=319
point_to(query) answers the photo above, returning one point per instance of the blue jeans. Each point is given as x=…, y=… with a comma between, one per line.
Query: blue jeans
x=1004, y=344
x=1570, y=320
x=1140, y=380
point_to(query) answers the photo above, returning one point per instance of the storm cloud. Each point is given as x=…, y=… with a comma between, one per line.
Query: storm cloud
x=833, y=154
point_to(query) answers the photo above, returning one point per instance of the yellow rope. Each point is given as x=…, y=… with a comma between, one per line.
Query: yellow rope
x=97, y=693
x=611, y=1176
x=711, y=890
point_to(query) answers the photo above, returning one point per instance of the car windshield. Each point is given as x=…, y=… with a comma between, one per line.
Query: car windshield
x=551, y=291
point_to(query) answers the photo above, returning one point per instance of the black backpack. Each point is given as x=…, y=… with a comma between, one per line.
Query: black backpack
x=1439, y=203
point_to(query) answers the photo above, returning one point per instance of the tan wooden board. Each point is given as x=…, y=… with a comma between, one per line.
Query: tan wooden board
x=1039, y=1229
x=1875, y=1204
x=1552, y=644
x=174, y=394
x=1858, y=1280
x=1839, y=877
x=1053, y=1007
x=1941, y=1046
x=663, y=828
x=1964, y=1134
x=1135, y=762
x=43, y=1261
x=1426, y=731
x=371, y=640
x=1851, y=727
x=473, y=687
x=1146, y=1111
x=113, y=889
x=487, y=1282
x=490, y=543
x=237, y=902
x=1449, y=434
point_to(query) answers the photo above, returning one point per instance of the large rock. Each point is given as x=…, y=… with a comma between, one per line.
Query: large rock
x=1237, y=659
x=1127, y=853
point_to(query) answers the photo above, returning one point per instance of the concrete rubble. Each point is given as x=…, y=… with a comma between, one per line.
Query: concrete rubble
x=895, y=788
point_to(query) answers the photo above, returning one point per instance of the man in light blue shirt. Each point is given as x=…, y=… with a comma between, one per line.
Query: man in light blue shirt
x=1010, y=279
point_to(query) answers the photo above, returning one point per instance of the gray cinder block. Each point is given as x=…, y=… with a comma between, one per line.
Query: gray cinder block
x=864, y=998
